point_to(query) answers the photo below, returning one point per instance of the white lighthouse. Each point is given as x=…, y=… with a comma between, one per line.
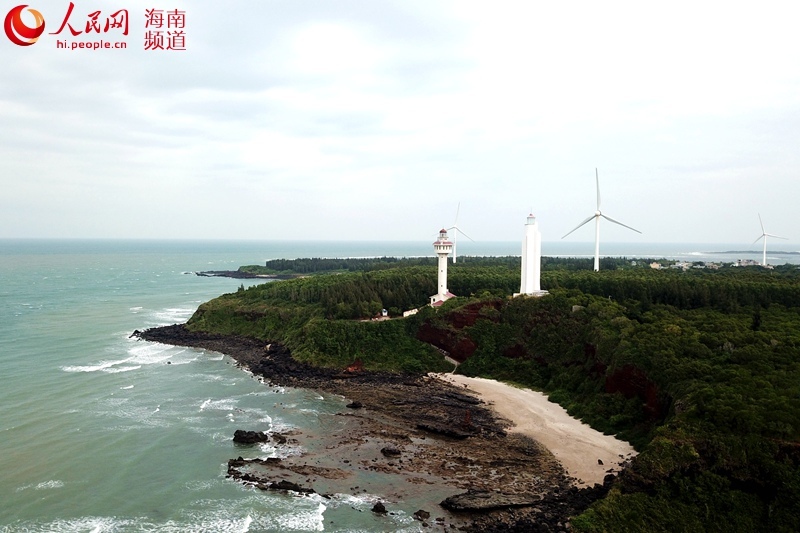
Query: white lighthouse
x=531, y=260
x=442, y=247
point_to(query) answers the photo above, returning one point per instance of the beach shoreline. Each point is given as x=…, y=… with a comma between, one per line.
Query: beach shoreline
x=407, y=438
x=587, y=455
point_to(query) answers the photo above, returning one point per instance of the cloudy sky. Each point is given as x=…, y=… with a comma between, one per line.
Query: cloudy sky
x=375, y=119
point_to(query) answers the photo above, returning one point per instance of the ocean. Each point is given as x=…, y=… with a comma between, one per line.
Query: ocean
x=100, y=432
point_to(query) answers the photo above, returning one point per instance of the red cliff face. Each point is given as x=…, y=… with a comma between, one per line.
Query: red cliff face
x=628, y=380
x=632, y=382
x=451, y=338
x=469, y=314
x=515, y=352
x=458, y=346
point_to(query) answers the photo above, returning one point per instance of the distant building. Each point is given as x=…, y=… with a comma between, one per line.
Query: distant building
x=681, y=265
x=655, y=265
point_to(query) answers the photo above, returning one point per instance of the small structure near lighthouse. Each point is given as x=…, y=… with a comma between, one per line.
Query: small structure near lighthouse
x=531, y=260
x=442, y=247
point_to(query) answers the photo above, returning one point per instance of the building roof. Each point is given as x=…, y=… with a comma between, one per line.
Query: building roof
x=437, y=303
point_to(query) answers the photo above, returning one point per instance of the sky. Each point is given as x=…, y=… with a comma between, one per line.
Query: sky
x=382, y=120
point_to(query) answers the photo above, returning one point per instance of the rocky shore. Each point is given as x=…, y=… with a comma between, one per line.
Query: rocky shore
x=408, y=438
x=241, y=274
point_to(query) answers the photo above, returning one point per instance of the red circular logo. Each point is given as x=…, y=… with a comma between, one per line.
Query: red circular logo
x=20, y=33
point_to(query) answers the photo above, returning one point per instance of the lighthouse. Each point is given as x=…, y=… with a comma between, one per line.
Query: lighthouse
x=442, y=246
x=531, y=260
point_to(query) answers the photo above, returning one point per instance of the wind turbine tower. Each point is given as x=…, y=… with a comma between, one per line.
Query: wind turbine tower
x=442, y=246
x=596, y=216
x=531, y=260
x=764, y=236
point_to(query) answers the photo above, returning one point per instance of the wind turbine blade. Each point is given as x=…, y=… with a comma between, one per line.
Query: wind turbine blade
x=597, y=181
x=581, y=224
x=776, y=236
x=620, y=223
x=763, y=231
x=761, y=237
x=465, y=235
x=458, y=210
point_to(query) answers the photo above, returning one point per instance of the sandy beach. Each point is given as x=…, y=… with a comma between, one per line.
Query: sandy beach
x=578, y=447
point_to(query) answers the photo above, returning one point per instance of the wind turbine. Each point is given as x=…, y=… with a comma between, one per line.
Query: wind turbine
x=764, y=236
x=596, y=216
x=458, y=230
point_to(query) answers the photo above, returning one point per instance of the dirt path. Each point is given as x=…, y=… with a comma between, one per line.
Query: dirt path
x=578, y=447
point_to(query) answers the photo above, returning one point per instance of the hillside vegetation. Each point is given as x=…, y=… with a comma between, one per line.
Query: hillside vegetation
x=699, y=369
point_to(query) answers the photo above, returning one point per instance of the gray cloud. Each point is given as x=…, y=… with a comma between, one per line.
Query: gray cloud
x=320, y=119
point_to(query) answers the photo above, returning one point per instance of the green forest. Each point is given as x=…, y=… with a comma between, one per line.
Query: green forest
x=324, y=265
x=700, y=370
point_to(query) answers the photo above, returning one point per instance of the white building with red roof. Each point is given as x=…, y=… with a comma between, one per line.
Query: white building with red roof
x=442, y=246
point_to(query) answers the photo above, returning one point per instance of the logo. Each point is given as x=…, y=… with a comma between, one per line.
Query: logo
x=18, y=32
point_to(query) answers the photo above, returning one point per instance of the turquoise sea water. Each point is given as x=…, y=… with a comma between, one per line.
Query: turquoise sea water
x=99, y=433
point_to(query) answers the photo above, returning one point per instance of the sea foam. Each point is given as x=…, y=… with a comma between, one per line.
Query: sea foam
x=173, y=315
x=102, y=366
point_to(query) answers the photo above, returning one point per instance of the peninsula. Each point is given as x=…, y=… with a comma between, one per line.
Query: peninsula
x=697, y=369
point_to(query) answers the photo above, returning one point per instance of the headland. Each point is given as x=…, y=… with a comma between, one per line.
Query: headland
x=408, y=437
x=696, y=367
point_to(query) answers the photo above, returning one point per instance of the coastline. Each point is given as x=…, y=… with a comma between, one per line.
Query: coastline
x=406, y=438
x=586, y=454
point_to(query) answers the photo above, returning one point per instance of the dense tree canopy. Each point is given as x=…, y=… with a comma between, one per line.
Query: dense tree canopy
x=699, y=369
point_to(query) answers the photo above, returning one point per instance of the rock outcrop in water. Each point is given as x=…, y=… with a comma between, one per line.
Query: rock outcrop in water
x=241, y=436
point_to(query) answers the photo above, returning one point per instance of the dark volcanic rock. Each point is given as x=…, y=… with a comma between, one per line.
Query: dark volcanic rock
x=379, y=508
x=242, y=436
x=288, y=485
x=399, y=407
x=237, y=274
x=391, y=451
x=270, y=360
x=552, y=513
x=465, y=398
x=237, y=466
x=422, y=515
x=451, y=432
x=354, y=405
x=484, y=500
